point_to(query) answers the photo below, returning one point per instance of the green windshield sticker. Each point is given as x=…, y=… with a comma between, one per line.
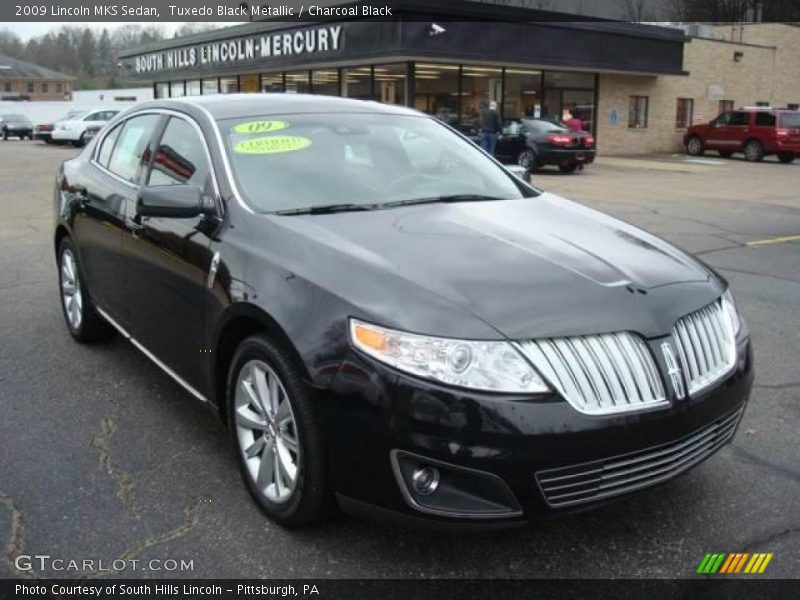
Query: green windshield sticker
x=273, y=144
x=260, y=126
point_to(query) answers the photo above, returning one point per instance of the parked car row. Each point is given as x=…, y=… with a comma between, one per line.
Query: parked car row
x=77, y=127
x=755, y=131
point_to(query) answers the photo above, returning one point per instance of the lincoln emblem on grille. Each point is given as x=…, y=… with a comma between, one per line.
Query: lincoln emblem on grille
x=673, y=370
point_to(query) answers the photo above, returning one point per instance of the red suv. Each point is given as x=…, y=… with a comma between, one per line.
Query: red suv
x=755, y=131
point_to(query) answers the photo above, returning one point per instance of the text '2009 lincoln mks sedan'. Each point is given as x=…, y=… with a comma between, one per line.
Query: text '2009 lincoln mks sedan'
x=387, y=319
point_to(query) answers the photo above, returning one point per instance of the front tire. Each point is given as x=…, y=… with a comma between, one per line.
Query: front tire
x=754, y=151
x=695, y=146
x=83, y=321
x=786, y=157
x=275, y=434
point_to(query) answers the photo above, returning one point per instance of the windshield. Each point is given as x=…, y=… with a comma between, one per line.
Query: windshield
x=790, y=120
x=286, y=162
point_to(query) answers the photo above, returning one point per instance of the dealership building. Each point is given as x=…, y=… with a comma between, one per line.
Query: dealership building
x=636, y=87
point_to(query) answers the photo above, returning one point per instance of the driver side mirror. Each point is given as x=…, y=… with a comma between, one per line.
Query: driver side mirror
x=173, y=201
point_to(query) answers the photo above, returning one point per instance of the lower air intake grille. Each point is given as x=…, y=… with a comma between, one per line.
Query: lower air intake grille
x=609, y=477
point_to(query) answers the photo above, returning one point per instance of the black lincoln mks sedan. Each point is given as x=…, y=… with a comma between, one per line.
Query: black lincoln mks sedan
x=387, y=319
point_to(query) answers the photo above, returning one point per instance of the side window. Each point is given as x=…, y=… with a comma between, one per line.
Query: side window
x=91, y=117
x=739, y=119
x=180, y=158
x=765, y=119
x=133, y=140
x=722, y=120
x=108, y=146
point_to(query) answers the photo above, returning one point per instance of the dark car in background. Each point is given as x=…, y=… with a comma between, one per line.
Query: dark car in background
x=757, y=132
x=387, y=318
x=534, y=143
x=15, y=125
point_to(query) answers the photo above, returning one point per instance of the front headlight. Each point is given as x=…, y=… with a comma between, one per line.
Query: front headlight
x=729, y=305
x=488, y=366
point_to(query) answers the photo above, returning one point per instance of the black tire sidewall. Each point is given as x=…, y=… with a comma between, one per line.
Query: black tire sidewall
x=310, y=497
x=66, y=243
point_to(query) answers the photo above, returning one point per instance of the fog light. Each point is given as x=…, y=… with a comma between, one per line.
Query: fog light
x=426, y=480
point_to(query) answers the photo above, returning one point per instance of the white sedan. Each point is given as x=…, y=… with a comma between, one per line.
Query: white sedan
x=74, y=129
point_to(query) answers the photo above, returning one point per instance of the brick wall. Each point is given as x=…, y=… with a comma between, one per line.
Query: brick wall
x=40, y=92
x=768, y=72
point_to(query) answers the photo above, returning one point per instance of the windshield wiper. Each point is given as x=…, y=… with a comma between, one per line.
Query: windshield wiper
x=325, y=209
x=435, y=199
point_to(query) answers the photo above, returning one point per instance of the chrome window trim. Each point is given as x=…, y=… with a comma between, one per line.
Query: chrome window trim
x=151, y=356
x=160, y=111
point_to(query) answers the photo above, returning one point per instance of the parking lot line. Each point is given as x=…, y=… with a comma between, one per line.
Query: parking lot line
x=777, y=240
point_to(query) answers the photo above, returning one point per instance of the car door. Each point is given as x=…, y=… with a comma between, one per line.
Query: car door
x=510, y=141
x=734, y=134
x=169, y=259
x=101, y=192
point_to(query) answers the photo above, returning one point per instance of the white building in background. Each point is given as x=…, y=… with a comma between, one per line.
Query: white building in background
x=129, y=95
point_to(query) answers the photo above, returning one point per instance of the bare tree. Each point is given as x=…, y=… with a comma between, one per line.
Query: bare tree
x=634, y=10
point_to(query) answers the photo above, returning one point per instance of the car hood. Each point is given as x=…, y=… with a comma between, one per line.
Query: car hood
x=537, y=266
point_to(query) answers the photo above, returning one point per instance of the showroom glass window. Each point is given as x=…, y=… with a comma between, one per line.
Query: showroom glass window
x=180, y=158
x=325, y=82
x=436, y=91
x=210, y=86
x=479, y=84
x=298, y=82
x=523, y=94
x=162, y=90
x=567, y=91
x=193, y=87
x=391, y=83
x=229, y=85
x=129, y=152
x=637, y=112
x=684, y=113
x=272, y=82
x=357, y=83
x=177, y=89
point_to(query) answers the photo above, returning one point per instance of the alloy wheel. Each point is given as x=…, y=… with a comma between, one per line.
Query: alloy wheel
x=266, y=431
x=526, y=158
x=71, y=289
x=753, y=151
x=695, y=146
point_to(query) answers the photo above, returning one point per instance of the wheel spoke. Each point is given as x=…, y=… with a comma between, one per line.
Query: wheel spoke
x=289, y=441
x=266, y=470
x=245, y=417
x=251, y=396
x=285, y=463
x=284, y=413
x=274, y=394
x=280, y=485
x=262, y=389
x=256, y=447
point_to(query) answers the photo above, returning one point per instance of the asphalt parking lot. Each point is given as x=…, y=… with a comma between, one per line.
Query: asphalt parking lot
x=104, y=457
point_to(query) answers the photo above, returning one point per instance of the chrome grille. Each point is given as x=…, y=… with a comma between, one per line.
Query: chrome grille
x=706, y=346
x=616, y=475
x=599, y=374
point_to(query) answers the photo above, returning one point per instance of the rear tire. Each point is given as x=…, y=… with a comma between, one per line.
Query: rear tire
x=275, y=434
x=754, y=151
x=83, y=321
x=568, y=167
x=786, y=157
x=80, y=142
x=725, y=153
x=527, y=160
x=695, y=146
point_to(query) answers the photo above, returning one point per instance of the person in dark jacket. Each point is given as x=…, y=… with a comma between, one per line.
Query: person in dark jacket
x=490, y=126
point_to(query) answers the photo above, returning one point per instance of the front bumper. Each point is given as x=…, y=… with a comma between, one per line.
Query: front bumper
x=371, y=414
x=15, y=130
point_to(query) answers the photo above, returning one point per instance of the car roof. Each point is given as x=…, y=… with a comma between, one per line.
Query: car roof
x=231, y=106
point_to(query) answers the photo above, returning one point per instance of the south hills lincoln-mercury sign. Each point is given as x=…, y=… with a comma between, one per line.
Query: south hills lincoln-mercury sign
x=293, y=43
